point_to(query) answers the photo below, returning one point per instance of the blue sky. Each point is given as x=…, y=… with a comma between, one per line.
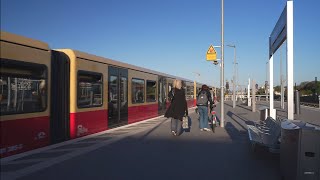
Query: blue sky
x=172, y=36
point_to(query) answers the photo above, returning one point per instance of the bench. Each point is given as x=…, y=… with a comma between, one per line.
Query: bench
x=266, y=133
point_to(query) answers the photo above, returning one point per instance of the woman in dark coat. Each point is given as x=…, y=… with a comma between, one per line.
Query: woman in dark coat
x=178, y=108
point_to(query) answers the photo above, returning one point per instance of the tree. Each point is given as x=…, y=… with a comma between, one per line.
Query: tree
x=277, y=88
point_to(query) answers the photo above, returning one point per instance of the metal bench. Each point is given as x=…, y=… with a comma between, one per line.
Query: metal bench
x=266, y=134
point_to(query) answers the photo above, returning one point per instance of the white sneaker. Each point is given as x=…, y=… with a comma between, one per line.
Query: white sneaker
x=206, y=129
x=174, y=133
x=201, y=129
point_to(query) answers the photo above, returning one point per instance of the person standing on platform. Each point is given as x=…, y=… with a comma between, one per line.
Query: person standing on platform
x=178, y=108
x=203, y=99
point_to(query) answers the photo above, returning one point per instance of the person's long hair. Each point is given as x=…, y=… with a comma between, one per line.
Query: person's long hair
x=177, y=84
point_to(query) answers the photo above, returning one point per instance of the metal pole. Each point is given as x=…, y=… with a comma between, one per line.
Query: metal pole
x=267, y=81
x=249, y=99
x=297, y=103
x=253, y=96
x=234, y=78
x=272, y=114
x=222, y=64
x=290, y=59
x=235, y=62
x=281, y=83
x=237, y=81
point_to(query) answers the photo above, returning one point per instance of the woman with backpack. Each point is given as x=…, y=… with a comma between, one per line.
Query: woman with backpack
x=203, y=98
x=178, y=108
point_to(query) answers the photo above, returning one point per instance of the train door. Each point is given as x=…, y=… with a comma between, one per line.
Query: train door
x=162, y=95
x=117, y=96
x=60, y=88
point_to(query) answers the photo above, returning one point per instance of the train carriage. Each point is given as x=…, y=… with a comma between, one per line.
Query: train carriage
x=25, y=88
x=50, y=96
x=88, y=94
x=143, y=103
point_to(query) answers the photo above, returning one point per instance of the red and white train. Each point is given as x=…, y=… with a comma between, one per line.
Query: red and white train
x=49, y=96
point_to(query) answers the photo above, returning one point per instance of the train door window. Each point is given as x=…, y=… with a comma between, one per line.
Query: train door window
x=189, y=94
x=137, y=90
x=184, y=87
x=151, y=91
x=113, y=88
x=160, y=91
x=89, y=89
x=113, y=96
x=170, y=87
x=22, y=87
x=118, y=96
x=123, y=89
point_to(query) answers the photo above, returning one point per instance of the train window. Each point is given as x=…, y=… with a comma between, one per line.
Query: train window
x=137, y=86
x=123, y=89
x=90, y=89
x=189, y=94
x=170, y=87
x=151, y=91
x=22, y=87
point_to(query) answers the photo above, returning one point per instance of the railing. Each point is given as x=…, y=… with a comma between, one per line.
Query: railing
x=241, y=96
x=263, y=98
x=309, y=104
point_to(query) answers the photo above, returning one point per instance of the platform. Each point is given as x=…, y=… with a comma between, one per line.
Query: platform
x=147, y=150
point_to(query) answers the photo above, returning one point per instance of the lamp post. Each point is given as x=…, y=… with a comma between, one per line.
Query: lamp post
x=215, y=86
x=198, y=74
x=234, y=75
x=195, y=88
x=222, y=64
x=196, y=79
x=267, y=70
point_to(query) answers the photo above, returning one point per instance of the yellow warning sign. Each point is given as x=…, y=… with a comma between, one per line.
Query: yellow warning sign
x=211, y=54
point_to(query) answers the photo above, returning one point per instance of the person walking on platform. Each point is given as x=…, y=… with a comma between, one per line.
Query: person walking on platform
x=178, y=108
x=203, y=99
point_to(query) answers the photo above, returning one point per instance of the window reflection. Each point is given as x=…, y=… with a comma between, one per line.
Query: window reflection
x=189, y=94
x=22, y=88
x=151, y=91
x=160, y=92
x=89, y=89
x=137, y=90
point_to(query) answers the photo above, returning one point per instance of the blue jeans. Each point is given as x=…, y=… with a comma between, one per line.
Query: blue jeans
x=203, y=112
x=176, y=125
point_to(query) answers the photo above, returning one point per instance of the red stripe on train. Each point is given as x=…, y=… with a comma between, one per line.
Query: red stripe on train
x=22, y=135
x=190, y=103
x=85, y=123
x=139, y=113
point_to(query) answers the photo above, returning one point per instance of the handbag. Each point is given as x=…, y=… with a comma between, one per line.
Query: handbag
x=185, y=123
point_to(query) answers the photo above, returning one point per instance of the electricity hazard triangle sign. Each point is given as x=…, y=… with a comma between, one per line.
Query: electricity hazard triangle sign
x=211, y=54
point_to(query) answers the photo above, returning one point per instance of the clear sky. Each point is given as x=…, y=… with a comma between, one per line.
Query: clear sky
x=172, y=36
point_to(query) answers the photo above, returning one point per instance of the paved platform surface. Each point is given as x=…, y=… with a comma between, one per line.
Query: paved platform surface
x=147, y=150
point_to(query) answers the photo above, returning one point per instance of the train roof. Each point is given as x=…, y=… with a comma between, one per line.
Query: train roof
x=83, y=55
x=24, y=41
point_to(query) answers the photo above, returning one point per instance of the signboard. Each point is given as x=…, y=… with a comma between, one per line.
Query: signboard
x=211, y=54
